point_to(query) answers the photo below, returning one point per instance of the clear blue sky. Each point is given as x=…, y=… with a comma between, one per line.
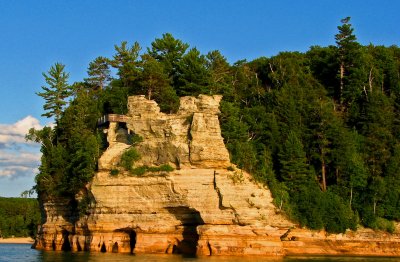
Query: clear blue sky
x=36, y=34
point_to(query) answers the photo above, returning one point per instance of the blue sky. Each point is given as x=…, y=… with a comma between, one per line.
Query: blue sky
x=36, y=34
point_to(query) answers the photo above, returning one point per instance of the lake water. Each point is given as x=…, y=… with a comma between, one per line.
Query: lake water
x=23, y=252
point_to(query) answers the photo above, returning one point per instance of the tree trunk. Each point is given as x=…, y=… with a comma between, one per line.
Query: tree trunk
x=370, y=79
x=323, y=171
x=351, y=195
x=337, y=175
x=341, y=82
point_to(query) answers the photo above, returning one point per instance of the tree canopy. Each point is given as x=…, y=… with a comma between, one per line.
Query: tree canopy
x=19, y=217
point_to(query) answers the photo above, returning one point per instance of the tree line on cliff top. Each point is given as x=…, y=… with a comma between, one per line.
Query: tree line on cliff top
x=321, y=128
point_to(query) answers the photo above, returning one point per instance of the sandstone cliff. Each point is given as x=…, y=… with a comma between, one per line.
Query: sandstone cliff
x=205, y=206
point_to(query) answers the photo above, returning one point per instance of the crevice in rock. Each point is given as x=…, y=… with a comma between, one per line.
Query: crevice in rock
x=236, y=221
x=284, y=237
x=189, y=137
x=220, y=197
x=209, y=248
x=172, y=186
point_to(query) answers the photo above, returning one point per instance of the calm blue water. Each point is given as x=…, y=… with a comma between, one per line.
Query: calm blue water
x=23, y=252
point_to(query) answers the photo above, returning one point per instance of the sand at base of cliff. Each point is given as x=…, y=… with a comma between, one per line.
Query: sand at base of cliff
x=16, y=240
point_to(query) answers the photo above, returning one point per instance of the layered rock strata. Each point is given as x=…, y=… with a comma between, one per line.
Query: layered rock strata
x=199, y=208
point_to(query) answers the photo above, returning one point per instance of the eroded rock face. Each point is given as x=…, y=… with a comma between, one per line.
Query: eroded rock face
x=185, y=211
x=200, y=208
x=191, y=137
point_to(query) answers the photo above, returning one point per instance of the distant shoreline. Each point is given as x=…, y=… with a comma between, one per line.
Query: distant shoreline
x=17, y=240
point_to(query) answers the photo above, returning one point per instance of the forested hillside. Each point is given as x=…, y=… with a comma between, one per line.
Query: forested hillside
x=321, y=128
x=19, y=217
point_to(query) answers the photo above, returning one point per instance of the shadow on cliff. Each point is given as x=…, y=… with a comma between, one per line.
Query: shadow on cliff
x=130, y=234
x=71, y=210
x=190, y=219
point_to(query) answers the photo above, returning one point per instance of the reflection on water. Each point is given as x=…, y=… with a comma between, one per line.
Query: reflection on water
x=18, y=252
x=340, y=259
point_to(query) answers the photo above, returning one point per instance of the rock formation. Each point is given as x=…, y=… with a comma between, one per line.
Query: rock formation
x=205, y=206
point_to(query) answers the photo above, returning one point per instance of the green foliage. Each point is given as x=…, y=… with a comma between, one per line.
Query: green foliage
x=383, y=224
x=57, y=91
x=128, y=158
x=236, y=177
x=141, y=170
x=324, y=143
x=135, y=139
x=193, y=76
x=230, y=168
x=168, y=51
x=126, y=62
x=166, y=168
x=114, y=172
x=83, y=205
x=19, y=217
x=155, y=84
x=99, y=72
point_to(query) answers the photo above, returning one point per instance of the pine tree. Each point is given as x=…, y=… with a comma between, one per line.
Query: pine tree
x=295, y=170
x=126, y=61
x=99, y=72
x=169, y=51
x=156, y=84
x=347, y=46
x=57, y=91
x=192, y=75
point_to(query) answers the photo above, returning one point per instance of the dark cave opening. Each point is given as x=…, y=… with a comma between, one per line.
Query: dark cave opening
x=131, y=234
x=132, y=240
x=190, y=219
x=66, y=245
x=103, y=248
x=78, y=246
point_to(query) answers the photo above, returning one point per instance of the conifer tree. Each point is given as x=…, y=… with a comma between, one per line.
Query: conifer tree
x=169, y=51
x=156, y=84
x=193, y=76
x=126, y=61
x=99, y=72
x=57, y=91
x=347, y=45
x=295, y=170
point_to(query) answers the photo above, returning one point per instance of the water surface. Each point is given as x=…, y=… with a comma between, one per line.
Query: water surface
x=23, y=252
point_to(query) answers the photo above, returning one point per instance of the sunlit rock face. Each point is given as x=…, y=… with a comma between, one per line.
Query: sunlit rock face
x=191, y=137
x=205, y=206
